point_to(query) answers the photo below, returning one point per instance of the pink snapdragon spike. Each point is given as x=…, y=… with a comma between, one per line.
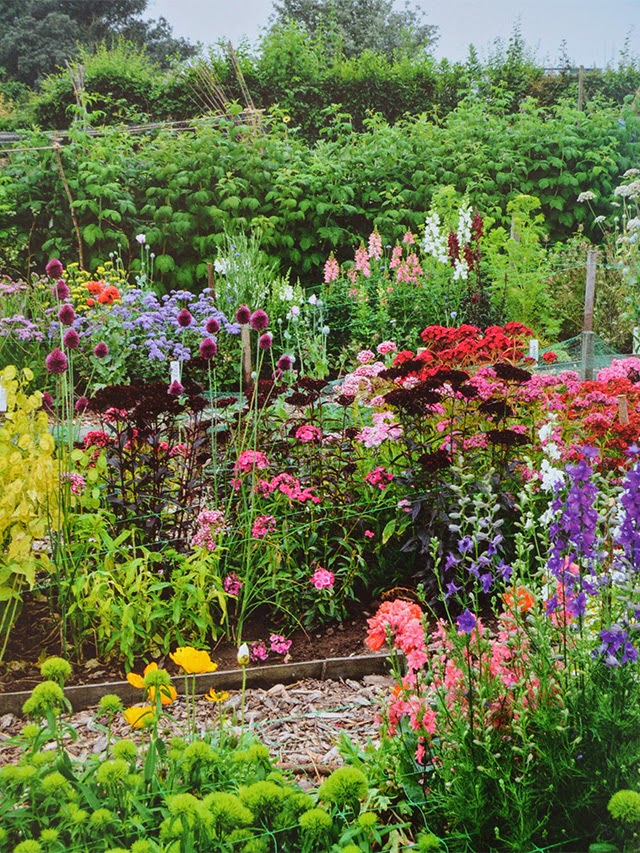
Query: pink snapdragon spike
x=322, y=578
x=375, y=246
x=362, y=262
x=331, y=269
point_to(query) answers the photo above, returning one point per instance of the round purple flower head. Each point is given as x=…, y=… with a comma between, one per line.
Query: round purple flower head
x=66, y=315
x=71, y=339
x=175, y=389
x=54, y=268
x=265, y=341
x=47, y=401
x=61, y=289
x=212, y=326
x=101, y=350
x=243, y=315
x=208, y=348
x=259, y=320
x=81, y=405
x=184, y=318
x=284, y=362
x=56, y=361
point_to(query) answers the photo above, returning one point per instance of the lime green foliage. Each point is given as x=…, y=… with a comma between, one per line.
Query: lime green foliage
x=28, y=491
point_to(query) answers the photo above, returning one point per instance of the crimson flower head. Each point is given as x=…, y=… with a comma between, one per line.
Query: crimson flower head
x=101, y=350
x=184, y=318
x=61, y=289
x=54, y=268
x=175, y=389
x=265, y=341
x=549, y=357
x=212, y=326
x=47, y=401
x=208, y=349
x=66, y=315
x=81, y=404
x=71, y=339
x=284, y=362
x=259, y=320
x=243, y=315
x=56, y=361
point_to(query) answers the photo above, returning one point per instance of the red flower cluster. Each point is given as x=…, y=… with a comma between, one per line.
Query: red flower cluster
x=105, y=294
x=468, y=345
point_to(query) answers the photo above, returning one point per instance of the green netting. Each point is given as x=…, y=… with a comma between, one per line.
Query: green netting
x=569, y=354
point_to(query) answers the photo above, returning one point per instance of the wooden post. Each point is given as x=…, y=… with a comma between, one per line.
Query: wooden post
x=587, y=333
x=246, y=355
x=210, y=281
x=581, y=88
x=623, y=408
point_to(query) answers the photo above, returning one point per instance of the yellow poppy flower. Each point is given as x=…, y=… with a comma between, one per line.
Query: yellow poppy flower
x=139, y=717
x=193, y=660
x=212, y=696
x=168, y=693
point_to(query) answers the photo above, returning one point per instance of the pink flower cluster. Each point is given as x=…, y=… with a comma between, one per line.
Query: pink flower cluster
x=322, y=578
x=77, y=483
x=362, y=262
x=232, y=584
x=331, y=269
x=287, y=485
x=262, y=526
x=249, y=460
x=278, y=644
x=385, y=347
x=365, y=356
x=384, y=428
x=308, y=432
x=375, y=245
x=379, y=477
x=212, y=523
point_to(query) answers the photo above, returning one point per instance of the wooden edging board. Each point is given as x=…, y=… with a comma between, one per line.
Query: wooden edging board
x=86, y=695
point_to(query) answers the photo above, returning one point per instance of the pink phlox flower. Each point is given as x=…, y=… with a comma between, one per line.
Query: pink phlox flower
x=292, y=488
x=322, y=578
x=211, y=523
x=278, y=644
x=308, y=432
x=375, y=245
x=262, y=526
x=362, y=262
x=382, y=430
x=249, y=460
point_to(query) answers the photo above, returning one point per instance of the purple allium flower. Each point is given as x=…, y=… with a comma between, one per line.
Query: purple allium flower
x=184, y=318
x=56, y=361
x=66, y=315
x=81, y=405
x=47, y=401
x=101, y=350
x=466, y=622
x=265, y=341
x=259, y=320
x=208, y=348
x=71, y=339
x=243, y=315
x=61, y=289
x=284, y=363
x=212, y=326
x=54, y=268
x=175, y=389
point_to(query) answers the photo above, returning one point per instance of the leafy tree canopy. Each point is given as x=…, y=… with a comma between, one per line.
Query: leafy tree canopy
x=361, y=24
x=36, y=36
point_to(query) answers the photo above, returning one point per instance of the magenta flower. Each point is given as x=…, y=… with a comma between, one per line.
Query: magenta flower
x=308, y=432
x=81, y=405
x=175, y=389
x=56, y=361
x=263, y=525
x=243, y=315
x=232, y=584
x=212, y=326
x=278, y=644
x=208, y=349
x=54, y=268
x=250, y=459
x=259, y=320
x=101, y=350
x=66, y=315
x=369, y=534
x=71, y=339
x=259, y=651
x=184, y=318
x=322, y=578
x=61, y=289
x=265, y=341
x=284, y=363
x=47, y=401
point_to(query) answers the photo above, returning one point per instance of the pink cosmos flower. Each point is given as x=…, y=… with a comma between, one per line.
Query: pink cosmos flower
x=322, y=578
x=263, y=525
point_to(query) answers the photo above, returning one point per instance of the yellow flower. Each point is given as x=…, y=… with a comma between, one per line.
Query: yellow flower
x=193, y=660
x=139, y=717
x=168, y=693
x=212, y=696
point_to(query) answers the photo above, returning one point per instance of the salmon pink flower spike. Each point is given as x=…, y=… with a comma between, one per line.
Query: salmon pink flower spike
x=331, y=269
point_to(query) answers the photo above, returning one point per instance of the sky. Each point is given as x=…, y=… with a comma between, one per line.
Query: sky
x=594, y=30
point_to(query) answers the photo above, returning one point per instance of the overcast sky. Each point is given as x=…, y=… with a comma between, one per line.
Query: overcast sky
x=594, y=30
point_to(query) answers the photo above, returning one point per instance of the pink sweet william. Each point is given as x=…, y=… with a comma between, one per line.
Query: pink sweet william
x=308, y=432
x=322, y=578
x=250, y=459
x=278, y=644
x=263, y=525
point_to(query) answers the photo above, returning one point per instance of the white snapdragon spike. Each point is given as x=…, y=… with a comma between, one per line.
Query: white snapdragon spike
x=435, y=242
x=460, y=269
x=221, y=265
x=464, y=225
x=546, y=430
x=287, y=293
x=551, y=477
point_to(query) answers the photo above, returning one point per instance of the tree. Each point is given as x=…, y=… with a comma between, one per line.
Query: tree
x=36, y=36
x=361, y=24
